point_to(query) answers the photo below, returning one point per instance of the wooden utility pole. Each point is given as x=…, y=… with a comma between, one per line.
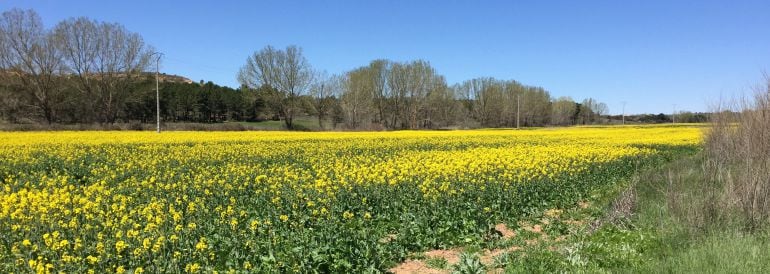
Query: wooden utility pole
x=518, y=109
x=673, y=115
x=157, y=88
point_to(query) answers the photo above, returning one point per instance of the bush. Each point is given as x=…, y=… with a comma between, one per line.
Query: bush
x=738, y=154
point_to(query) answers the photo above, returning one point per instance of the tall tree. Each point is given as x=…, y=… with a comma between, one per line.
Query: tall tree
x=485, y=97
x=442, y=108
x=538, y=106
x=357, y=100
x=379, y=73
x=30, y=62
x=106, y=59
x=410, y=85
x=562, y=111
x=285, y=70
x=323, y=92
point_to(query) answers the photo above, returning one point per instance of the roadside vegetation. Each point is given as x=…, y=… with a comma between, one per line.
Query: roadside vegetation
x=705, y=211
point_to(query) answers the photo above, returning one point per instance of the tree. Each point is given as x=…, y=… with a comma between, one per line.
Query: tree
x=285, y=70
x=562, y=111
x=537, y=110
x=442, y=108
x=496, y=103
x=106, y=59
x=398, y=84
x=379, y=73
x=323, y=93
x=30, y=62
x=489, y=101
x=357, y=100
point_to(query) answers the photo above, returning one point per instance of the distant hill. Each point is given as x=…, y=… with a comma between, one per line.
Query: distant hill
x=170, y=78
x=164, y=78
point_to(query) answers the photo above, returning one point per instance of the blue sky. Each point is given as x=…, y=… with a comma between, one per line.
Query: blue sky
x=651, y=54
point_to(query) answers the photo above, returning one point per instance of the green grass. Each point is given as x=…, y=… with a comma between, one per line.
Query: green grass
x=678, y=224
x=681, y=205
x=719, y=252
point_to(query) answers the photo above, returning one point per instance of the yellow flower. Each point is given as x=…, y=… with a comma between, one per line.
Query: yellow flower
x=146, y=243
x=187, y=178
x=120, y=246
x=192, y=268
x=201, y=245
x=120, y=270
x=158, y=244
x=233, y=223
x=254, y=225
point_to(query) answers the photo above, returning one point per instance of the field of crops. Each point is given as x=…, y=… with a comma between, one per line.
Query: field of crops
x=286, y=202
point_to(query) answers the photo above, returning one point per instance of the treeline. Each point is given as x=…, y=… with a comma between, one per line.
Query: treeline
x=680, y=117
x=404, y=95
x=80, y=71
x=85, y=71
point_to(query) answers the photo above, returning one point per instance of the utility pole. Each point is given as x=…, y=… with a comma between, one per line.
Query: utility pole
x=518, y=109
x=673, y=115
x=624, y=112
x=157, y=87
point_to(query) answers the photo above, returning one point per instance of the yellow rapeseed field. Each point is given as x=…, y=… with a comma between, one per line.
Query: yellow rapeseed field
x=291, y=202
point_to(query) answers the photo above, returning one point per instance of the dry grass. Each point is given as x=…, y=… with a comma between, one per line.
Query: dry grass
x=738, y=155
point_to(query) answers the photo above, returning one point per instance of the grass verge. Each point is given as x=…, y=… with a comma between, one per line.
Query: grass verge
x=666, y=219
x=681, y=205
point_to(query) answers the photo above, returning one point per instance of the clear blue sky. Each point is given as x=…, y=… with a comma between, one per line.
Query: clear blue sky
x=651, y=54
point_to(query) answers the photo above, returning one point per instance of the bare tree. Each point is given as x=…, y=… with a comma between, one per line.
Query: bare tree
x=601, y=109
x=422, y=80
x=562, y=111
x=30, y=62
x=398, y=83
x=442, y=108
x=410, y=84
x=285, y=70
x=379, y=73
x=538, y=106
x=323, y=91
x=358, y=99
x=485, y=100
x=106, y=59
